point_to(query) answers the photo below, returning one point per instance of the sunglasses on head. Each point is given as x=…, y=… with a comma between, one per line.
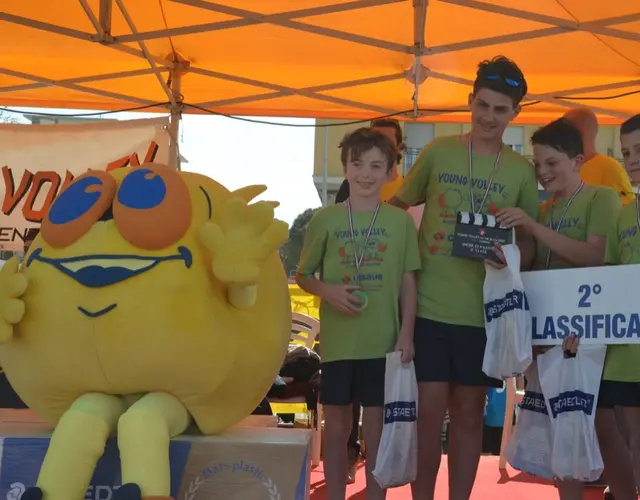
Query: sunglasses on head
x=509, y=81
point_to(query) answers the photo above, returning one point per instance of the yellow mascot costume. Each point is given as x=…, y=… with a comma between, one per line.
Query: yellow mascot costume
x=151, y=298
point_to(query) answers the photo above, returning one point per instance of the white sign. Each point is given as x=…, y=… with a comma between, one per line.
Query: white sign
x=38, y=161
x=599, y=304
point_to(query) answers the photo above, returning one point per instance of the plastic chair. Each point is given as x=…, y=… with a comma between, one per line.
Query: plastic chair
x=514, y=398
x=304, y=330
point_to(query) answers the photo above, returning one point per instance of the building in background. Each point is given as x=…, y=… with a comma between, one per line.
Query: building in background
x=416, y=135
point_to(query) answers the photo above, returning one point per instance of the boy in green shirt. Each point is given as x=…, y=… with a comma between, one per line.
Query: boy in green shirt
x=620, y=386
x=473, y=172
x=366, y=253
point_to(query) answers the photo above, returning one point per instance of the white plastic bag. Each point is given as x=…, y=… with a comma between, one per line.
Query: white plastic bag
x=529, y=447
x=507, y=319
x=570, y=387
x=397, y=461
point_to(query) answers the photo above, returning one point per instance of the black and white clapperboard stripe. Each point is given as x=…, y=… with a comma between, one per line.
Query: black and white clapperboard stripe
x=482, y=220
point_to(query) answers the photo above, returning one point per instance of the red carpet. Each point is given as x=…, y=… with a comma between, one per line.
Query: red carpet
x=491, y=483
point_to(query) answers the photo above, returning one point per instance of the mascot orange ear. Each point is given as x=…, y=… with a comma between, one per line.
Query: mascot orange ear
x=152, y=208
x=77, y=208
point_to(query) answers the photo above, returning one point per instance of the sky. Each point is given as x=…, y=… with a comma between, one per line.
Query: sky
x=237, y=153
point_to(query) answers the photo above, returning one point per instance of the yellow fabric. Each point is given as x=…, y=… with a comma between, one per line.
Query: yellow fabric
x=144, y=432
x=303, y=302
x=389, y=189
x=255, y=57
x=602, y=170
x=161, y=322
x=78, y=439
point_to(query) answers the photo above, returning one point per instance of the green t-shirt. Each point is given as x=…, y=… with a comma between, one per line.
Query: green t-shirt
x=392, y=251
x=623, y=247
x=450, y=288
x=590, y=213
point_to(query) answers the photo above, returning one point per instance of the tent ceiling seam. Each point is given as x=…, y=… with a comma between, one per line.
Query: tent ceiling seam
x=299, y=26
x=286, y=19
x=147, y=55
x=597, y=37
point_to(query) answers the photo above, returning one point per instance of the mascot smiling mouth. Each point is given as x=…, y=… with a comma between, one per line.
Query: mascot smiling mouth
x=96, y=271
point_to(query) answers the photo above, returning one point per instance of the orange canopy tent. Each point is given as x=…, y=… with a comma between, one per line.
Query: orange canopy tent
x=327, y=58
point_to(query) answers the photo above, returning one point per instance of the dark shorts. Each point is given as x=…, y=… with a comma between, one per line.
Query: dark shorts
x=353, y=381
x=450, y=353
x=618, y=394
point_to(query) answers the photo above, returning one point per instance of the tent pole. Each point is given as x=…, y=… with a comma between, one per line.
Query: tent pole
x=419, y=25
x=174, y=125
x=325, y=166
x=105, y=16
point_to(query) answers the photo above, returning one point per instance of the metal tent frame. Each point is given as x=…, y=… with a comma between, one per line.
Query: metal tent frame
x=170, y=70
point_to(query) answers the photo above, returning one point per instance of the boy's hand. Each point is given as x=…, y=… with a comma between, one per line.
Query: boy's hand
x=405, y=345
x=497, y=251
x=515, y=217
x=341, y=298
x=570, y=346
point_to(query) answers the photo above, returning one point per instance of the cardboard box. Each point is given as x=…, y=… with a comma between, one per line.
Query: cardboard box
x=10, y=416
x=244, y=463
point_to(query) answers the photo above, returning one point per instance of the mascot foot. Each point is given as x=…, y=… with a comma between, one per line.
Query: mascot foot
x=33, y=493
x=129, y=491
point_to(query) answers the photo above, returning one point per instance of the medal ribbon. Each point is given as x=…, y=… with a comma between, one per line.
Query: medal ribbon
x=564, y=212
x=472, y=200
x=358, y=260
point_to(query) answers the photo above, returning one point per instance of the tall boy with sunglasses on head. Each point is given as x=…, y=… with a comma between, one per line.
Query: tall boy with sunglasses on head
x=473, y=172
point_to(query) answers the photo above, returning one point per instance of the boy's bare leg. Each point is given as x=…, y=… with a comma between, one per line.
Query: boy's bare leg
x=466, y=412
x=337, y=427
x=631, y=419
x=433, y=398
x=372, y=431
x=570, y=490
x=618, y=470
x=353, y=446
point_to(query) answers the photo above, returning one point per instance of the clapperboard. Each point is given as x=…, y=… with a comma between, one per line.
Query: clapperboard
x=475, y=235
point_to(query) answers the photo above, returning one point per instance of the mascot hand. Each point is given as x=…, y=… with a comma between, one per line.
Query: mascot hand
x=246, y=237
x=13, y=284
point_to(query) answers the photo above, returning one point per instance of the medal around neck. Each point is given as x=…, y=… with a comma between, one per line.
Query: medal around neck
x=362, y=297
x=357, y=259
x=476, y=233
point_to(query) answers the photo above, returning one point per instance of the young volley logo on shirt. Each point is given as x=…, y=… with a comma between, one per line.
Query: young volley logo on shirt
x=455, y=199
x=369, y=278
x=627, y=249
x=569, y=223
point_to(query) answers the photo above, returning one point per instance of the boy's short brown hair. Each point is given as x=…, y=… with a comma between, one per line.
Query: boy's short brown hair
x=355, y=143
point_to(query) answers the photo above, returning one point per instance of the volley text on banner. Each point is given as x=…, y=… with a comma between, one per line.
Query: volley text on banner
x=598, y=304
x=38, y=161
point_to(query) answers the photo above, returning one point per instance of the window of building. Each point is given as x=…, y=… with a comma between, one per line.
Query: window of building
x=416, y=136
x=514, y=138
x=410, y=155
